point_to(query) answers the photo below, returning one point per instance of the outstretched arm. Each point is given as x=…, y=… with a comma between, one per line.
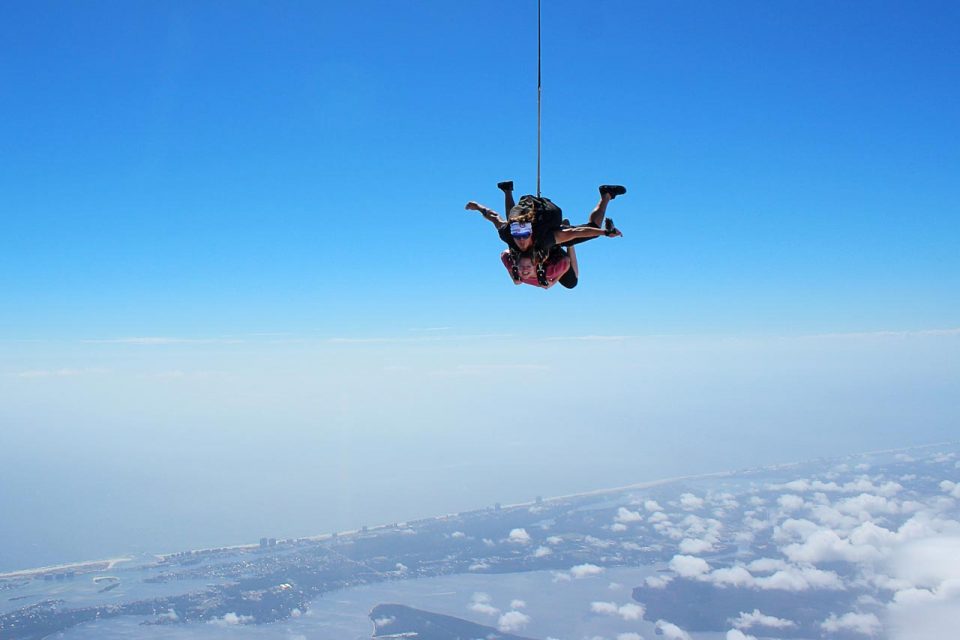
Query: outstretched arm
x=487, y=213
x=575, y=233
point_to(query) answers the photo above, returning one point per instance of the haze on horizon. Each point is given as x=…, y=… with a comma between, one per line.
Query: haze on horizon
x=239, y=294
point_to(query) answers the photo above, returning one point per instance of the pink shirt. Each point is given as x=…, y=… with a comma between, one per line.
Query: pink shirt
x=556, y=266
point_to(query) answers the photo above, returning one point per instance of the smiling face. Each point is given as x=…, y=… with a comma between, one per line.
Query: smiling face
x=526, y=268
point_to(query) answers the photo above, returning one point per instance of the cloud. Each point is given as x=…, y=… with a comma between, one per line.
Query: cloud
x=671, y=631
x=800, y=579
x=518, y=604
x=519, y=536
x=624, y=515
x=757, y=619
x=690, y=502
x=384, y=622
x=866, y=505
x=657, y=582
x=629, y=611
x=585, y=570
x=735, y=576
x=790, y=502
x=652, y=505
x=629, y=635
x=232, y=619
x=864, y=623
x=554, y=540
x=482, y=604
x=689, y=566
x=693, y=547
x=513, y=621
x=618, y=528
x=951, y=488
x=542, y=552
x=604, y=608
x=766, y=565
x=736, y=634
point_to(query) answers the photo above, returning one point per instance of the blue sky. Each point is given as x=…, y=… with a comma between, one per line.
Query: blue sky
x=207, y=168
x=241, y=224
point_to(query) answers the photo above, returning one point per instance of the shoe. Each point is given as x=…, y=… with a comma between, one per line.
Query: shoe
x=565, y=222
x=613, y=189
x=505, y=186
x=608, y=225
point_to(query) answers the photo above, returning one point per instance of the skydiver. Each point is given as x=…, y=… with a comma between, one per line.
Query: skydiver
x=530, y=237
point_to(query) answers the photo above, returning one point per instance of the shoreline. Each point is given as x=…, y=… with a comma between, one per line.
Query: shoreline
x=93, y=566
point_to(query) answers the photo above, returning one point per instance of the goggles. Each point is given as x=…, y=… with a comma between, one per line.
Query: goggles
x=521, y=229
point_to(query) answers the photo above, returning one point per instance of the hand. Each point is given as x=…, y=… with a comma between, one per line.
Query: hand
x=472, y=206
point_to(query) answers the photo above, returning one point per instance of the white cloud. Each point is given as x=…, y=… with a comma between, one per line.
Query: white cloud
x=690, y=502
x=800, y=579
x=671, y=631
x=658, y=582
x=604, y=608
x=692, y=547
x=790, y=502
x=824, y=545
x=624, y=515
x=629, y=611
x=232, y=619
x=735, y=576
x=482, y=604
x=659, y=516
x=458, y=535
x=384, y=622
x=541, y=552
x=951, y=488
x=518, y=604
x=585, y=570
x=757, y=619
x=866, y=505
x=736, y=634
x=618, y=527
x=519, y=536
x=689, y=566
x=630, y=635
x=513, y=621
x=652, y=505
x=766, y=565
x=554, y=540
x=864, y=623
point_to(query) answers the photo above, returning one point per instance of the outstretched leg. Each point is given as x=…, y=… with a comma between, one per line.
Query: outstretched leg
x=572, y=275
x=600, y=211
x=607, y=193
x=507, y=188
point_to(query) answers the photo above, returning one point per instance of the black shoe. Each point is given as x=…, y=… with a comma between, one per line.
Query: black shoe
x=613, y=189
x=608, y=225
x=565, y=222
x=505, y=186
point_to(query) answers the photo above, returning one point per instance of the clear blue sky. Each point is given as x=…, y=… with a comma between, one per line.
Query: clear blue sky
x=209, y=168
x=234, y=257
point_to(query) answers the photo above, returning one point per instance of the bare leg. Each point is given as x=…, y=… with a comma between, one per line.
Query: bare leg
x=597, y=215
x=508, y=202
x=572, y=254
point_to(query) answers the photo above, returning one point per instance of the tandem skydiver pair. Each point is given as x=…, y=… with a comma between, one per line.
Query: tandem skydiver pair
x=540, y=241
